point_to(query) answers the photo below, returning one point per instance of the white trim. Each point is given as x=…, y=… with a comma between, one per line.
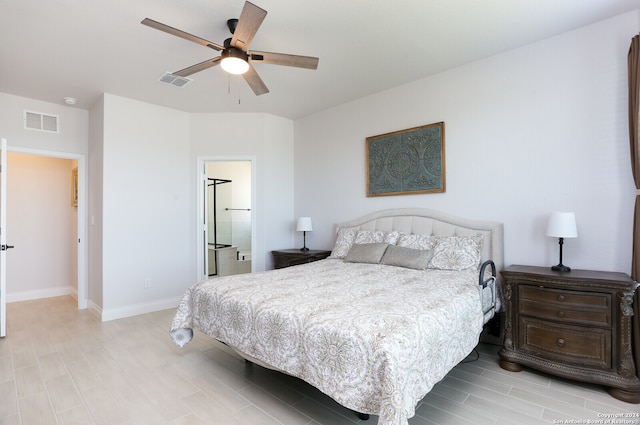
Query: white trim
x=3, y=237
x=95, y=310
x=200, y=170
x=40, y=293
x=83, y=246
x=134, y=309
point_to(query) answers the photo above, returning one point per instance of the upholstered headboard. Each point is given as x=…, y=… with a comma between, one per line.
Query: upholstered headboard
x=432, y=222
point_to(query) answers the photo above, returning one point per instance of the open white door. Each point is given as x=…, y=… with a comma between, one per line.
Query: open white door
x=205, y=223
x=3, y=238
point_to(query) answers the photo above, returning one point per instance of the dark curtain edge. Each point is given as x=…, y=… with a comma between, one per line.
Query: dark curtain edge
x=634, y=144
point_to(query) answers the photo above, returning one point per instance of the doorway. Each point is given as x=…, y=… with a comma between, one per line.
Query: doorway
x=226, y=238
x=46, y=208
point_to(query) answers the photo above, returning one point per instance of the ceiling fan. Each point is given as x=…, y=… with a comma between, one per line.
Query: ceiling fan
x=235, y=58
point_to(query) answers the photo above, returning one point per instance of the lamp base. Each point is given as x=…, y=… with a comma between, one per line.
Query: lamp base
x=304, y=243
x=561, y=268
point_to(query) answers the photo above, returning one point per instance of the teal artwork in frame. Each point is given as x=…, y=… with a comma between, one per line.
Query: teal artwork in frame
x=406, y=162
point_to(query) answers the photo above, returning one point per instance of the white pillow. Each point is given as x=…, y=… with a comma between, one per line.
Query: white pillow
x=377, y=236
x=457, y=253
x=424, y=242
x=344, y=240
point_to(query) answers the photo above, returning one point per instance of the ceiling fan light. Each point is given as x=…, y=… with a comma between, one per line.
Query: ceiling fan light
x=234, y=65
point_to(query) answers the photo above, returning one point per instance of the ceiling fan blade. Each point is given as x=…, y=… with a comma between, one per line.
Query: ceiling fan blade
x=307, y=62
x=250, y=20
x=198, y=67
x=179, y=33
x=255, y=82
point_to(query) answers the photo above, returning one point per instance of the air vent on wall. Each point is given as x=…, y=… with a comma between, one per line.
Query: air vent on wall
x=174, y=80
x=40, y=121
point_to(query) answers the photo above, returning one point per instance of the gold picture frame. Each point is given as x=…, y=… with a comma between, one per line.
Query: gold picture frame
x=74, y=187
x=410, y=161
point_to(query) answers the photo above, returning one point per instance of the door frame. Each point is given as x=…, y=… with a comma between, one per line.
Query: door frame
x=83, y=246
x=201, y=179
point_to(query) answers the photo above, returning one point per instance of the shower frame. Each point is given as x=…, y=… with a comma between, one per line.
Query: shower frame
x=215, y=183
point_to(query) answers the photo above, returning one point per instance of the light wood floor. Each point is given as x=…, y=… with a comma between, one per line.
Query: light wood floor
x=60, y=366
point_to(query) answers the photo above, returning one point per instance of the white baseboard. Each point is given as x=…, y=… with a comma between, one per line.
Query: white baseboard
x=95, y=310
x=106, y=315
x=13, y=297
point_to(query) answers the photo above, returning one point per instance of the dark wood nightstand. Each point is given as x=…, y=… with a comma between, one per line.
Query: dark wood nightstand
x=292, y=257
x=576, y=324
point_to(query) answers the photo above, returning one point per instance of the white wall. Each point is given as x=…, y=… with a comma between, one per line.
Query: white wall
x=142, y=190
x=74, y=125
x=146, y=211
x=278, y=184
x=95, y=205
x=533, y=130
x=71, y=141
x=42, y=225
x=269, y=139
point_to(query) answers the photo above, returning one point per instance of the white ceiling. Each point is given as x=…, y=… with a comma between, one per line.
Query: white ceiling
x=82, y=48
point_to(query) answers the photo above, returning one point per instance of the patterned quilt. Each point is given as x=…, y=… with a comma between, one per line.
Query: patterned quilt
x=375, y=338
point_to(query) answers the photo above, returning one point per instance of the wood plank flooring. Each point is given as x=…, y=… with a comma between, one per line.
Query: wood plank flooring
x=60, y=366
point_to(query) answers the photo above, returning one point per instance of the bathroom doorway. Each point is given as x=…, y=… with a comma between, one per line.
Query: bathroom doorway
x=227, y=212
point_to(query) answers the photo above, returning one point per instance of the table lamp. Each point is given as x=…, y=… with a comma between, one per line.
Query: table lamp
x=562, y=225
x=304, y=226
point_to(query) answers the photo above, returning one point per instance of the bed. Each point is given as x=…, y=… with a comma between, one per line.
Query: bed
x=402, y=299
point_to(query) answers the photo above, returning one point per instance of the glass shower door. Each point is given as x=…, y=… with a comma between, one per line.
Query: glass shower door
x=220, y=229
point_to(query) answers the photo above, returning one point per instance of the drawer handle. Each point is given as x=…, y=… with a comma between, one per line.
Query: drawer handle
x=560, y=342
x=560, y=313
x=560, y=297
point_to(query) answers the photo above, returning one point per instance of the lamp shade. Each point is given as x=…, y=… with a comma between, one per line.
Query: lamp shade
x=562, y=225
x=304, y=224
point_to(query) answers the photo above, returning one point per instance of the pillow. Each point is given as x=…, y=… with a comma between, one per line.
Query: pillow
x=457, y=252
x=407, y=257
x=366, y=253
x=417, y=241
x=392, y=237
x=376, y=236
x=344, y=240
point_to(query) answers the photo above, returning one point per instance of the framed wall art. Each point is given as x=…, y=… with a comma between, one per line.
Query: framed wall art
x=407, y=161
x=74, y=187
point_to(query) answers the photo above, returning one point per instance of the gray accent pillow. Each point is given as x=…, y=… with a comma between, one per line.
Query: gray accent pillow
x=366, y=253
x=407, y=257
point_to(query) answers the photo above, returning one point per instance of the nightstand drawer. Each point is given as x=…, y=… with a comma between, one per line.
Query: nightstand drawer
x=568, y=344
x=577, y=324
x=293, y=257
x=565, y=306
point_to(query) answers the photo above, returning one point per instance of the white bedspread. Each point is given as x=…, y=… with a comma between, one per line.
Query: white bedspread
x=375, y=338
